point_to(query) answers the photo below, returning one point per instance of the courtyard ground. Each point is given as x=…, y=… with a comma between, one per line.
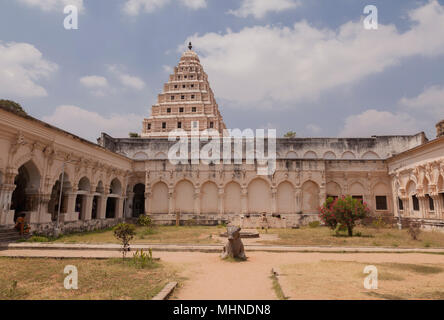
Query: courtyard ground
x=305, y=236
x=43, y=278
x=206, y=276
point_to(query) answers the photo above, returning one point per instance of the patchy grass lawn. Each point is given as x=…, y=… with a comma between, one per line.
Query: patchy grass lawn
x=345, y=280
x=98, y=279
x=364, y=237
x=157, y=234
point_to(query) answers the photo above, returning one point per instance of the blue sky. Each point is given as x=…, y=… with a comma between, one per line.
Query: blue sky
x=306, y=66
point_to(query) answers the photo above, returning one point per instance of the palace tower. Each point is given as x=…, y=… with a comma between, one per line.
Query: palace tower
x=187, y=102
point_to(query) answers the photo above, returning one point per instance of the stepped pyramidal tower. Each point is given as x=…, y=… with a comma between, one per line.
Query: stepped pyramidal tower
x=187, y=102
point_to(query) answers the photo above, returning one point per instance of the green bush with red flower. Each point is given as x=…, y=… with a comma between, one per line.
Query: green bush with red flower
x=342, y=213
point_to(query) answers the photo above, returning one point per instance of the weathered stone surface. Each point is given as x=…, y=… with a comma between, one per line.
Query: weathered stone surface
x=234, y=248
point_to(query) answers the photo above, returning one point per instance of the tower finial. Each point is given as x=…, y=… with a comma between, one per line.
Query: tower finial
x=190, y=46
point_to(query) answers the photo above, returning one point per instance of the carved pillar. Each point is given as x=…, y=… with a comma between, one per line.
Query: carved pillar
x=244, y=200
x=119, y=207
x=273, y=199
x=71, y=202
x=438, y=205
x=129, y=204
x=87, y=207
x=147, y=200
x=297, y=199
x=171, y=201
x=101, y=206
x=221, y=194
x=322, y=195
x=197, y=201
x=6, y=215
x=423, y=206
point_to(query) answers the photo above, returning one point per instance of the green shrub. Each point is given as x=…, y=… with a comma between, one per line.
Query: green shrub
x=314, y=224
x=143, y=260
x=125, y=233
x=144, y=220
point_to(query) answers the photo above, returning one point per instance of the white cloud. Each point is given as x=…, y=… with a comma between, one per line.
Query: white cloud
x=374, y=122
x=291, y=64
x=313, y=128
x=97, y=84
x=430, y=101
x=134, y=7
x=94, y=82
x=259, y=8
x=89, y=125
x=125, y=79
x=53, y=5
x=167, y=69
x=194, y=4
x=21, y=66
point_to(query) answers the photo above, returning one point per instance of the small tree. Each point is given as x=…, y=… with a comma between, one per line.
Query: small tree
x=414, y=230
x=290, y=134
x=343, y=212
x=12, y=106
x=133, y=135
x=125, y=233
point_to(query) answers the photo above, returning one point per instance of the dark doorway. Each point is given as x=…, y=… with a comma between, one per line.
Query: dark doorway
x=139, y=200
x=94, y=207
x=111, y=208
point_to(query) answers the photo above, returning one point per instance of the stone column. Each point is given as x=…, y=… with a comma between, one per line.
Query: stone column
x=149, y=208
x=44, y=216
x=6, y=215
x=221, y=201
x=71, y=205
x=101, y=204
x=423, y=206
x=197, y=201
x=438, y=205
x=119, y=207
x=322, y=195
x=297, y=200
x=273, y=199
x=87, y=206
x=171, y=201
x=244, y=200
x=130, y=204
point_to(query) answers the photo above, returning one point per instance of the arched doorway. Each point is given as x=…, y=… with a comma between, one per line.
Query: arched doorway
x=232, y=198
x=310, y=197
x=259, y=196
x=25, y=195
x=184, y=197
x=84, y=187
x=53, y=204
x=209, y=198
x=285, y=198
x=139, y=200
x=159, y=202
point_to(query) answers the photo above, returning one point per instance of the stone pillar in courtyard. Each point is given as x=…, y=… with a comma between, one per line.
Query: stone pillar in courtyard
x=6, y=215
x=273, y=199
x=221, y=193
x=101, y=212
x=297, y=199
x=170, y=201
x=88, y=206
x=197, y=201
x=244, y=200
x=119, y=207
x=147, y=202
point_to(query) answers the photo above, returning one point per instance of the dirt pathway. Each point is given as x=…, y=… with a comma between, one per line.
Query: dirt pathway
x=209, y=278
